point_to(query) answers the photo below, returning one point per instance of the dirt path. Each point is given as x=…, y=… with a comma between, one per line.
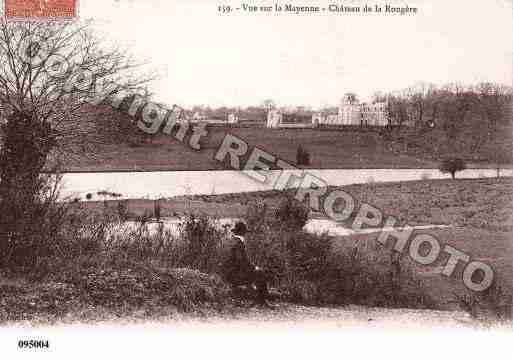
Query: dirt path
x=298, y=317
x=289, y=331
x=293, y=316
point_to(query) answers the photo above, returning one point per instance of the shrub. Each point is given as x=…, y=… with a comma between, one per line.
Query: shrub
x=126, y=284
x=291, y=215
x=302, y=157
x=452, y=166
x=157, y=209
x=256, y=216
x=122, y=208
x=425, y=176
x=316, y=270
x=104, y=193
x=202, y=239
x=32, y=228
x=494, y=304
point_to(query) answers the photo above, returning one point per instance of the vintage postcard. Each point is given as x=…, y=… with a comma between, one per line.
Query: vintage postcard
x=284, y=178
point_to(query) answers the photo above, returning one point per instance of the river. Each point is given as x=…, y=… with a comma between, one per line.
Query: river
x=165, y=184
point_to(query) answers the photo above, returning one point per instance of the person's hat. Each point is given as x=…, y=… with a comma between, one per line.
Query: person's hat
x=240, y=229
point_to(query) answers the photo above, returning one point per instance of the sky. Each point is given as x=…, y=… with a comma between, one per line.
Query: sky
x=203, y=57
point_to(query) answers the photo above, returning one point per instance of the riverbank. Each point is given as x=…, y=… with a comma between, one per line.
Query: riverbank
x=485, y=202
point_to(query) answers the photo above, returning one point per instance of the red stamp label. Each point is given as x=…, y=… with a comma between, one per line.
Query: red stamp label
x=28, y=9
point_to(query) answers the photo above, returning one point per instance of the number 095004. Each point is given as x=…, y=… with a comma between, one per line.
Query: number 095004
x=33, y=344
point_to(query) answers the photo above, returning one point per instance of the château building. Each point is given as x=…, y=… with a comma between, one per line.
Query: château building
x=274, y=119
x=353, y=113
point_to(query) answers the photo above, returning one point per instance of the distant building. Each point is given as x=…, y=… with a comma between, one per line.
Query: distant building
x=198, y=117
x=233, y=118
x=274, y=119
x=317, y=118
x=277, y=119
x=374, y=114
x=350, y=113
x=353, y=113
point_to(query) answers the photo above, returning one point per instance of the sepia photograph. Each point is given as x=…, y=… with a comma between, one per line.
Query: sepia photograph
x=227, y=178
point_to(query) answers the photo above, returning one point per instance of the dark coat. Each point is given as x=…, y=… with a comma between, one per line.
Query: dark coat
x=238, y=268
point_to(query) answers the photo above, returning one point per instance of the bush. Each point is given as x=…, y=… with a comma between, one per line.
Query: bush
x=256, y=216
x=32, y=228
x=302, y=157
x=291, y=214
x=202, y=238
x=315, y=270
x=122, y=208
x=115, y=265
x=319, y=270
x=425, y=176
x=157, y=209
x=195, y=243
x=452, y=166
x=119, y=284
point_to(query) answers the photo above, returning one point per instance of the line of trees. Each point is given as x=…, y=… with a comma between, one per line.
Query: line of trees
x=450, y=105
x=471, y=117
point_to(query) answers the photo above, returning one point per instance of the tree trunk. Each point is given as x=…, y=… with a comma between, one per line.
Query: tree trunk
x=26, y=146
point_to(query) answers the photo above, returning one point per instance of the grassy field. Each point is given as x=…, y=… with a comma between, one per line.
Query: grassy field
x=493, y=248
x=328, y=149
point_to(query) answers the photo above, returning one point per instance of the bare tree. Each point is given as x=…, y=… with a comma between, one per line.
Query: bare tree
x=470, y=120
x=379, y=96
x=51, y=76
x=495, y=103
x=420, y=98
x=397, y=110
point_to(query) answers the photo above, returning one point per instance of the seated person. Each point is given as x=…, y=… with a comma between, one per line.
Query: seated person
x=238, y=268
